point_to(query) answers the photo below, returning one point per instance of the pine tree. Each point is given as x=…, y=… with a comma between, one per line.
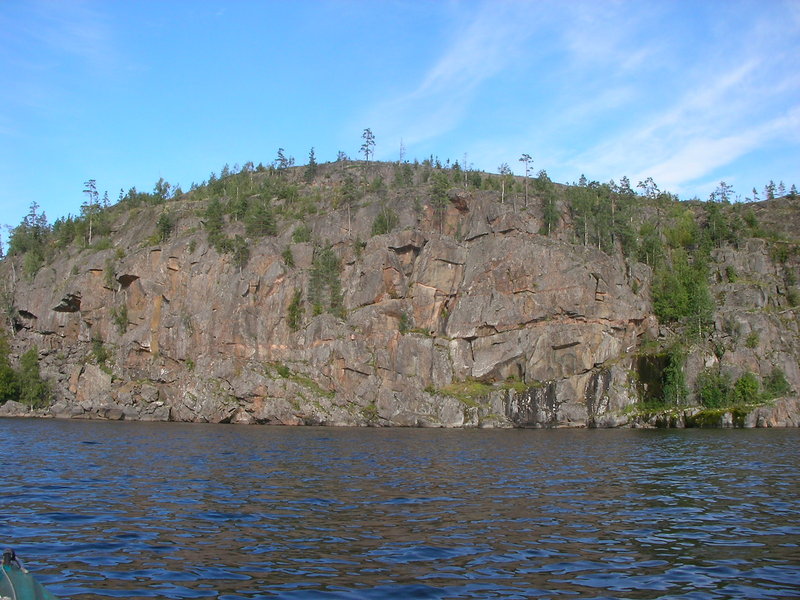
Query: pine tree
x=505, y=177
x=723, y=193
x=544, y=188
x=625, y=188
x=241, y=252
x=368, y=147
x=675, y=390
x=260, y=220
x=349, y=195
x=282, y=162
x=769, y=190
x=164, y=226
x=527, y=160
x=439, y=196
x=162, y=190
x=311, y=167
x=91, y=207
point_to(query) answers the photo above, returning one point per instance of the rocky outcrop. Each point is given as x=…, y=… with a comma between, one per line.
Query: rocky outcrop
x=784, y=412
x=12, y=408
x=177, y=331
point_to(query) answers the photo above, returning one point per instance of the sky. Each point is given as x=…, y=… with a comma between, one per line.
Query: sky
x=689, y=93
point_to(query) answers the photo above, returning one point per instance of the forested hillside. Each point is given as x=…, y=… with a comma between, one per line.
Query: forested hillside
x=424, y=293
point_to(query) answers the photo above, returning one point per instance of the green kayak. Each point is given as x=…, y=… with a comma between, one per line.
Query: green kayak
x=17, y=584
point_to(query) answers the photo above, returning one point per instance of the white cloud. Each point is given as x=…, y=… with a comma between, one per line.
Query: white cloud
x=73, y=29
x=603, y=36
x=720, y=116
x=480, y=49
x=701, y=156
x=643, y=101
x=54, y=49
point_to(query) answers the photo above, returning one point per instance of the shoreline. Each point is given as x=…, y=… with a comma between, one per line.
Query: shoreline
x=780, y=413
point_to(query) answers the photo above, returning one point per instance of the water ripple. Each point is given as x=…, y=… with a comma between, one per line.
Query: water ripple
x=122, y=510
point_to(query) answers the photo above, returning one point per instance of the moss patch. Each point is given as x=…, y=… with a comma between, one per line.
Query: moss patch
x=469, y=392
x=712, y=417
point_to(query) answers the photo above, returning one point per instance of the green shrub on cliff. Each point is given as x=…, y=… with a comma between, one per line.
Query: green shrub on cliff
x=713, y=388
x=100, y=353
x=325, y=286
x=746, y=389
x=793, y=297
x=214, y=222
x=675, y=390
x=260, y=220
x=164, y=226
x=24, y=384
x=776, y=385
x=385, y=221
x=120, y=318
x=9, y=385
x=33, y=390
x=301, y=234
x=295, y=312
x=469, y=392
x=681, y=292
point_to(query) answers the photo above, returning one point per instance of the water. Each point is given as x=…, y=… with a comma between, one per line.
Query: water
x=166, y=510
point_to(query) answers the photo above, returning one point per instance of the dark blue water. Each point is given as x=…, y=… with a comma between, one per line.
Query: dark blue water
x=165, y=510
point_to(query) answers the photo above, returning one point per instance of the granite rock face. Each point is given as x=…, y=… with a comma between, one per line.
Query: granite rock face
x=177, y=331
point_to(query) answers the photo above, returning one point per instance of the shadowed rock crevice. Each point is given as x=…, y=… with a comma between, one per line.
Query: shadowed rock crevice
x=125, y=280
x=69, y=304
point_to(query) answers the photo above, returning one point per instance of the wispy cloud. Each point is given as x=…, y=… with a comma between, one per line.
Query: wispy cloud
x=625, y=89
x=74, y=29
x=53, y=53
x=697, y=114
x=40, y=44
x=726, y=110
x=606, y=37
x=701, y=156
x=480, y=49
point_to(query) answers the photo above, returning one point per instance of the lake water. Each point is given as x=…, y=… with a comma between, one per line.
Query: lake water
x=167, y=510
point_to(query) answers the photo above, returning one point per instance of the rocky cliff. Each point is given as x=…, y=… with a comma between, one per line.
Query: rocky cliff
x=462, y=314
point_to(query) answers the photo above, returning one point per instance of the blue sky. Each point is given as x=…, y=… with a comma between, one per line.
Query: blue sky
x=125, y=92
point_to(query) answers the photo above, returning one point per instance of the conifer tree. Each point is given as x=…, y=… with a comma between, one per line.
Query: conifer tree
x=311, y=167
x=282, y=162
x=164, y=226
x=439, y=197
x=162, y=190
x=505, y=176
x=91, y=207
x=723, y=193
x=769, y=190
x=526, y=160
x=368, y=147
x=544, y=188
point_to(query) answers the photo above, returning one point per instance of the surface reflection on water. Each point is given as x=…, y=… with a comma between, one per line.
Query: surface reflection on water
x=165, y=510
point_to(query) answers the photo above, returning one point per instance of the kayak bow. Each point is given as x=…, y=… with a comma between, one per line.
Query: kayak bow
x=17, y=584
